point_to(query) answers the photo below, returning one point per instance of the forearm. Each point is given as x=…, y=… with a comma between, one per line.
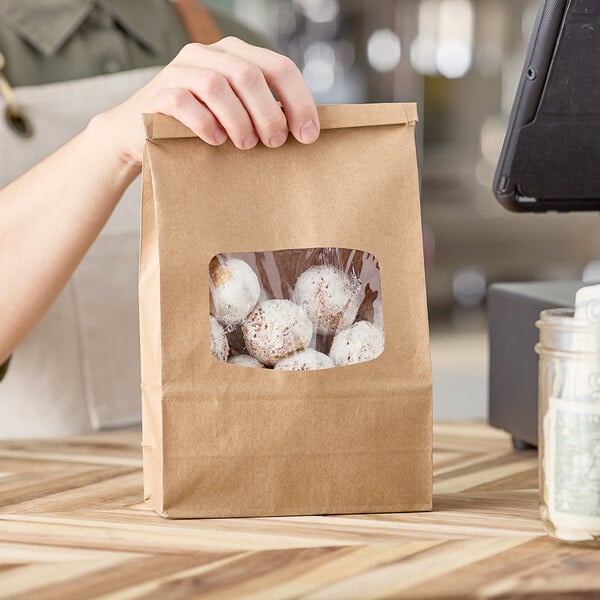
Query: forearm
x=49, y=217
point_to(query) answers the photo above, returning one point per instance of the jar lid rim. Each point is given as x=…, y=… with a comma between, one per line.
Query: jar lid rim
x=564, y=318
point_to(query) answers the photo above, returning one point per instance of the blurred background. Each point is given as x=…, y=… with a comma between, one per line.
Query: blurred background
x=461, y=61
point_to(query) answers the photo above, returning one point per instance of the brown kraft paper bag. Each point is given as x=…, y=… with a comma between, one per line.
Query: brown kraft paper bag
x=221, y=440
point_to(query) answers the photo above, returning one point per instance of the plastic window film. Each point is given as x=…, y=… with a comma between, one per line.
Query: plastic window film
x=296, y=310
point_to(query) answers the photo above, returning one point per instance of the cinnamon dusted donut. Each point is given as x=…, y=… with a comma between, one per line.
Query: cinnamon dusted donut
x=219, y=345
x=305, y=360
x=275, y=329
x=245, y=360
x=329, y=296
x=359, y=343
x=234, y=289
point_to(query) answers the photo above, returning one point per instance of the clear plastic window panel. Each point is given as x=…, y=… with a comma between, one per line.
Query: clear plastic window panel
x=296, y=310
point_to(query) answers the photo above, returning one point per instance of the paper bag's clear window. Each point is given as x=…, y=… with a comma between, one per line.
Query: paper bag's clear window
x=296, y=310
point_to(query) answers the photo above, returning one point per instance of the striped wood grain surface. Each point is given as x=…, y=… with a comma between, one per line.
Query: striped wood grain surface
x=73, y=525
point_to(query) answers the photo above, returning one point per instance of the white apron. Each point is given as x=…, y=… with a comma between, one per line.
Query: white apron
x=78, y=370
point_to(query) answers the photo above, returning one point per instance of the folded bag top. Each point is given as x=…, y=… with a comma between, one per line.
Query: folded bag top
x=226, y=441
x=331, y=116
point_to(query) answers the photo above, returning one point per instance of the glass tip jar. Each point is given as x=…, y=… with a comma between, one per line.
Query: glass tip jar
x=569, y=426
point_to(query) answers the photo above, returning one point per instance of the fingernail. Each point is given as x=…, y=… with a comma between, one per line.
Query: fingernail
x=250, y=140
x=219, y=135
x=278, y=139
x=308, y=132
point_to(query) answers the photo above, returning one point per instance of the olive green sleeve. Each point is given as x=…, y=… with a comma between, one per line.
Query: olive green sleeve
x=4, y=368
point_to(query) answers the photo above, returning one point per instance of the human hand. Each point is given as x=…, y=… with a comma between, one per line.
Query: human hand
x=221, y=90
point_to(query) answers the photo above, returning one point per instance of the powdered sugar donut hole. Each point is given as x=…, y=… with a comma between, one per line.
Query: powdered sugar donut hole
x=361, y=342
x=234, y=289
x=329, y=297
x=305, y=360
x=219, y=346
x=275, y=329
x=245, y=360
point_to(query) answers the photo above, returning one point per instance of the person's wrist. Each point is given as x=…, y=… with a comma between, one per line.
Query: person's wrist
x=107, y=134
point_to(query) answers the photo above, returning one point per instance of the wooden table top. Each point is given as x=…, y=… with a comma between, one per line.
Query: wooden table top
x=73, y=525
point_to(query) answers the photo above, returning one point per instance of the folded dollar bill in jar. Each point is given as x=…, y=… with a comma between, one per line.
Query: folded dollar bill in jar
x=587, y=304
x=582, y=376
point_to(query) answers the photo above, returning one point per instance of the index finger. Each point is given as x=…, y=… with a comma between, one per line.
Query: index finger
x=285, y=79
